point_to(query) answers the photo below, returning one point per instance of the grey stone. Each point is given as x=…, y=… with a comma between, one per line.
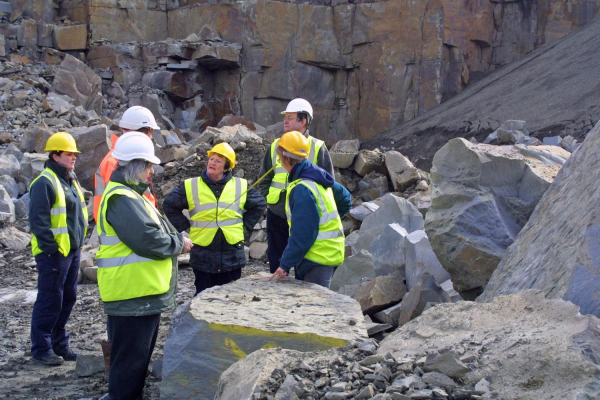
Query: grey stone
x=22, y=206
x=249, y=317
x=420, y=258
x=337, y=396
x=366, y=393
x=396, y=164
x=91, y=273
x=556, y=251
x=359, y=213
x=89, y=364
x=380, y=293
x=10, y=185
x=342, y=159
x=482, y=196
x=61, y=104
x=367, y=161
x=447, y=364
x=374, y=328
x=5, y=7
x=353, y=270
x=408, y=178
x=9, y=165
x=410, y=382
x=373, y=359
x=389, y=251
x=14, y=150
x=414, y=302
x=390, y=315
x=91, y=142
x=422, y=394
x=552, y=141
x=7, y=208
x=78, y=81
x=258, y=250
x=13, y=239
x=438, y=379
x=32, y=165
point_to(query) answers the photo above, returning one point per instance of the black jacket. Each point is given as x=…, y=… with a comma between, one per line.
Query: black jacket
x=42, y=197
x=219, y=256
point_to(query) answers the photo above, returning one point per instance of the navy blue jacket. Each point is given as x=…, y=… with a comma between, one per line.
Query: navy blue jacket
x=42, y=197
x=219, y=256
x=305, y=214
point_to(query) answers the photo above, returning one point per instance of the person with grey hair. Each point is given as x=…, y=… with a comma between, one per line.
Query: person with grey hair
x=137, y=265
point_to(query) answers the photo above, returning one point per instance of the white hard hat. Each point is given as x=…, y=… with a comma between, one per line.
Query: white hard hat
x=134, y=145
x=138, y=117
x=299, y=106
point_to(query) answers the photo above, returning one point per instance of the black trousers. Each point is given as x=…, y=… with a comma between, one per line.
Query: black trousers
x=205, y=280
x=133, y=340
x=278, y=232
x=57, y=293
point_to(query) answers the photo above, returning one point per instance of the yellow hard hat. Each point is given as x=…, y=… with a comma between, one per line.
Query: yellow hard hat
x=295, y=143
x=61, y=141
x=225, y=150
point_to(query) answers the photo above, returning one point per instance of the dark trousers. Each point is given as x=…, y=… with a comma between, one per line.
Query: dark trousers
x=133, y=340
x=278, y=232
x=57, y=293
x=205, y=280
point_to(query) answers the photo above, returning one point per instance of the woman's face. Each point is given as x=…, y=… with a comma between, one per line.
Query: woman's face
x=66, y=159
x=147, y=174
x=216, y=166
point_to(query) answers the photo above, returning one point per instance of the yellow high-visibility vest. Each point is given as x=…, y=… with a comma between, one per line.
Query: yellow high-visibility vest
x=122, y=274
x=58, y=214
x=208, y=214
x=279, y=181
x=328, y=248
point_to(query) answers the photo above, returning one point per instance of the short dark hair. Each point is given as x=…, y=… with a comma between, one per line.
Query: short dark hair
x=303, y=116
x=54, y=152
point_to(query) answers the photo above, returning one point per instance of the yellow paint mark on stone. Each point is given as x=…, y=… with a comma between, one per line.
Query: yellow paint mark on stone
x=230, y=344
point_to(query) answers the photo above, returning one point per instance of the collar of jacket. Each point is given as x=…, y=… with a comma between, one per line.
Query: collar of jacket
x=297, y=170
x=62, y=172
x=140, y=187
x=208, y=180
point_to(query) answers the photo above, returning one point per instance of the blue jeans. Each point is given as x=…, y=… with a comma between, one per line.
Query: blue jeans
x=319, y=274
x=57, y=293
x=278, y=233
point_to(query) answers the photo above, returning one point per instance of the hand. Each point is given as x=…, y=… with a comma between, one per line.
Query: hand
x=280, y=274
x=187, y=245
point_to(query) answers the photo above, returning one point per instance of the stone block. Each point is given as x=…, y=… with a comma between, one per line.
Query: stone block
x=27, y=35
x=10, y=237
x=342, y=160
x=2, y=46
x=91, y=273
x=390, y=315
x=414, y=302
x=5, y=7
x=389, y=251
x=420, y=259
x=217, y=56
x=380, y=293
x=359, y=213
x=45, y=38
x=346, y=146
x=408, y=178
x=181, y=85
x=10, y=185
x=258, y=250
x=89, y=364
x=367, y=161
x=172, y=153
x=7, y=208
x=9, y=165
x=447, y=364
x=127, y=77
x=353, y=270
x=78, y=81
x=32, y=165
x=396, y=164
x=91, y=141
x=247, y=320
x=121, y=25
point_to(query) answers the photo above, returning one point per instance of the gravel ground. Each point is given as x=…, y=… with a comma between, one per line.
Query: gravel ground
x=20, y=378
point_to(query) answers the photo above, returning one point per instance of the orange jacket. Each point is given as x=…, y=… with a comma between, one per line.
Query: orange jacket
x=102, y=176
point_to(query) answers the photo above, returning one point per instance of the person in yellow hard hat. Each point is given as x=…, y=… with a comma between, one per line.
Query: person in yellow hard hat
x=58, y=220
x=220, y=208
x=314, y=206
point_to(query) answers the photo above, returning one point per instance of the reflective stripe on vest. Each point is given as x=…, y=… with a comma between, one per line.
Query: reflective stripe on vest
x=207, y=214
x=328, y=248
x=58, y=214
x=122, y=274
x=279, y=181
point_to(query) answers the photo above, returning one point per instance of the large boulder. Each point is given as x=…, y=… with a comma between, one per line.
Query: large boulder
x=225, y=323
x=524, y=345
x=352, y=272
x=557, y=251
x=91, y=142
x=78, y=81
x=482, y=197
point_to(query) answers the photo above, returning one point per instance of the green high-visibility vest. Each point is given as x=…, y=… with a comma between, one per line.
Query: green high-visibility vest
x=328, y=248
x=208, y=214
x=279, y=181
x=58, y=214
x=122, y=274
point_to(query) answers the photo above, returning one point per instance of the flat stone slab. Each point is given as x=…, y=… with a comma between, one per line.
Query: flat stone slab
x=226, y=323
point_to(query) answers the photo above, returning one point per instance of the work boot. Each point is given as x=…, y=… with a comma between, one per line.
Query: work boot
x=67, y=354
x=49, y=359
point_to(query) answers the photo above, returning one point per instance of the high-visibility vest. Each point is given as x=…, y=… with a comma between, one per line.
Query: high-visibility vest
x=328, y=248
x=58, y=214
x=208, y=214
x=102, y=177
x=279, y=181
x=122, y=274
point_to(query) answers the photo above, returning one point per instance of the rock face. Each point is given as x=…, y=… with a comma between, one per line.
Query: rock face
x=482, y=196
x=225, y=323
x=527, y=346
x=359, y=63
x=557, y=251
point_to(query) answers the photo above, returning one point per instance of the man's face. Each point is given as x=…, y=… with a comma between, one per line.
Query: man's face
x=291, y=123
